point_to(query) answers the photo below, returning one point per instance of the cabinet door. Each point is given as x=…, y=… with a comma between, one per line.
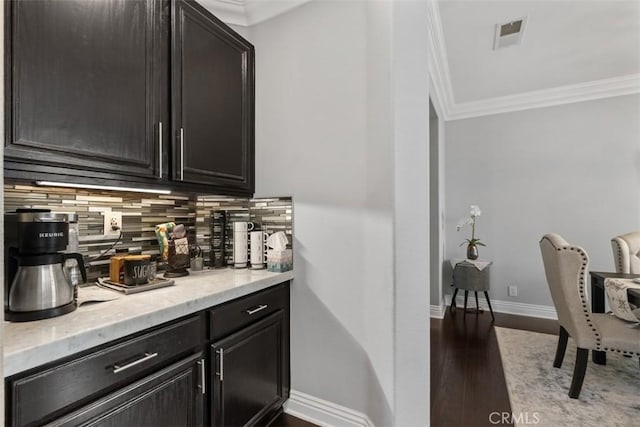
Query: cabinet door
x=212, y=100
x=85, y=85
x=171, y=397
x=247, y=374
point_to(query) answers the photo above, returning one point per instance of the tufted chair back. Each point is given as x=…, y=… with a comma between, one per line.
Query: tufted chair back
x=566, y=268
x=626, y=253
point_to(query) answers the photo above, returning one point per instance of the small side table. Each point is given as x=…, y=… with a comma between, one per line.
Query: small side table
x=468, y=277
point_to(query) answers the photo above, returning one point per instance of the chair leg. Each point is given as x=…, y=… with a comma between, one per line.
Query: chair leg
x=466, y=294
x=486, y=295
x=477, y=306
x=582, y=357
x=453, y=300
x=562, y=347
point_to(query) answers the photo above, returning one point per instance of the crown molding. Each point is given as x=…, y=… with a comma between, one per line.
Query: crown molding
x=246, y=13
x=438, y=61
x=606, y=88
x=443, y=88
x=228, y=11
x=258, y=11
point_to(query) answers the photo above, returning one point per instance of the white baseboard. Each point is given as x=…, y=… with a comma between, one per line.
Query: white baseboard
x=509, y=307
x=437, y=311
x=324, y=413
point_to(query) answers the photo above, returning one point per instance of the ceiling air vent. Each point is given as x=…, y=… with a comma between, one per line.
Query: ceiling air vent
x=509, y=33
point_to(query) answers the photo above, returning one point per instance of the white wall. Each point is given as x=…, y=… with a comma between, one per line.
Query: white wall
x=410, y=80
x=438, y=282
x=435, y=289
x=571, y=169
x=326, y=123
x=313, y=142
x=436, y=209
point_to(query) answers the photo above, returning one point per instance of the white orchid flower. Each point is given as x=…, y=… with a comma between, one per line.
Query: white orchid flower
x=463, y=222
x=475, y=212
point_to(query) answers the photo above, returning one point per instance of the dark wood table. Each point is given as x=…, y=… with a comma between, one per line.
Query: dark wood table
x=597, y=301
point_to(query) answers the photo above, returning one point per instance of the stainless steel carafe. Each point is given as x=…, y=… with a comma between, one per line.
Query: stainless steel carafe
x=36, y=285
x=41, y=286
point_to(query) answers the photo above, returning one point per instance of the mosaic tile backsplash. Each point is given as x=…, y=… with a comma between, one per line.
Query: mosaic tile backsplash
x=140, y=214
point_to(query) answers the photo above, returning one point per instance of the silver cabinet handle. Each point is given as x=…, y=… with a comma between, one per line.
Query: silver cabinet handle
x=181, y=154
x=160, y=150
x=220, y=372
x=147, y=356
x=201, y=365
x=255, y=310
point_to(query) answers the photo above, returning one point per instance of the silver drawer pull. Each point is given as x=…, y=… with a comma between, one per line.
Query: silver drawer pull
x=201, y=366
x=221, y=366
x=255, y=310
x=160, y=148
x=181, y=154
x=147, y=356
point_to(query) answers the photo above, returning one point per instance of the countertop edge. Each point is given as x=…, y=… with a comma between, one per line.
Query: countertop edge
x=21, y=361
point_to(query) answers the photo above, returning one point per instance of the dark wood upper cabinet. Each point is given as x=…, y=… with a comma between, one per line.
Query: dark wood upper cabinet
x=212, y=100
x=86, y=86
x=155, y=92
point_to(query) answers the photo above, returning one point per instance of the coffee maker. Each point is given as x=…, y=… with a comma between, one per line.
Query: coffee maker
x=36, y=285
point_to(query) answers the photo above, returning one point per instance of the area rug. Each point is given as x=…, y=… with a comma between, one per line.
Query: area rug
x=539, y=392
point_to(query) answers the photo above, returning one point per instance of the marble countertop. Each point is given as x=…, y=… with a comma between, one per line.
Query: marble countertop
x=30, y=344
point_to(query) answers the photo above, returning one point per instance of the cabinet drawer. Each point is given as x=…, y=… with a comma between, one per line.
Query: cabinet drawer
x=143, y=403
x=230, y=317
x=56, y=390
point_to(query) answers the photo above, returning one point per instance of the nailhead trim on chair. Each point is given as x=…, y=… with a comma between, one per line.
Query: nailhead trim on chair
x=619, y=249
x=632, y=353
x=585, y=307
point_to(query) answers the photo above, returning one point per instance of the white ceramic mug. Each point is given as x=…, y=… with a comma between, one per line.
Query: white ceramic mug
x=240, y=226
x=240, y=243
x=258, y=249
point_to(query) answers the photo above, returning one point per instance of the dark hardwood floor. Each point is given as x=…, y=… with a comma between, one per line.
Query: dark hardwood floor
x=467, y=380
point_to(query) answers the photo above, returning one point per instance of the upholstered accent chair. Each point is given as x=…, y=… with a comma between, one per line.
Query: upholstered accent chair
x=626, y=253
x=566, y=269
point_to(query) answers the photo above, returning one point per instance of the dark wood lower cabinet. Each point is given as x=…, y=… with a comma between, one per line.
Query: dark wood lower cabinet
x=171, y=397
x=233, y=372
x=247, y=374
